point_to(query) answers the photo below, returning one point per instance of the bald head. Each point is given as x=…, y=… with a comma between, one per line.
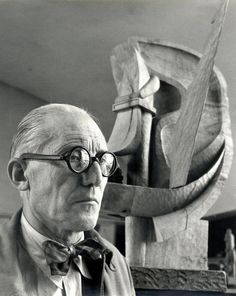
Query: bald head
x=40, y=126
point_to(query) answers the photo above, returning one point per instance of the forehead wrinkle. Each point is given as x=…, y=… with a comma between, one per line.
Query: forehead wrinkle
x=93, y=143
x=71, y=142
x=76, y=131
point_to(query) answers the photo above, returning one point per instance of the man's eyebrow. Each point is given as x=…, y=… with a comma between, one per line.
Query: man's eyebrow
x=68, y=148
x=64, y=149
x=70, y=145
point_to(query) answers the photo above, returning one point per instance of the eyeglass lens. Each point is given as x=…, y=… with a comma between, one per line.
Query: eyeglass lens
x=107, y=163
x=80, y=160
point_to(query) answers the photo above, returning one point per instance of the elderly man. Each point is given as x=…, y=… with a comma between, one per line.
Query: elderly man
x=60, y=165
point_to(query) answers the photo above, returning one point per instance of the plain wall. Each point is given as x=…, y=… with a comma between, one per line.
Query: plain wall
x=14, y=104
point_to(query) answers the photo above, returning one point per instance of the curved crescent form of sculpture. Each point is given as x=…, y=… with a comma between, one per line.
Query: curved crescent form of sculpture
x=211, y=158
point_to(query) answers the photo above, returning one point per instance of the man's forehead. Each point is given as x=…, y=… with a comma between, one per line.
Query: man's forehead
x=74, y=129
x=74, y=120
x=66, y=142
x=91, y=142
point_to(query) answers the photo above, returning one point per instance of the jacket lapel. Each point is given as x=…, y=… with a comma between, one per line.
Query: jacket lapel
x=18, y=276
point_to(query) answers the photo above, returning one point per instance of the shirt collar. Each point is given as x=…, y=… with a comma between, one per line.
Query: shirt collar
x=34, y=241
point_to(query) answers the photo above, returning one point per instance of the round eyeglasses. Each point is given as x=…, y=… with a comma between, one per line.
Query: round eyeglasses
x=79, y=160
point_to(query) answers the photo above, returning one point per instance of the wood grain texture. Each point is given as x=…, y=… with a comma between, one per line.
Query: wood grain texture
x=215, y=124
x=188, y=123
x=132, y=77
x=135, y=89
x=138, y=174
x=201, y=205
x=125, y=200
x=183, y=250
x=126, y=133
x=152, y=278
x=176, y=65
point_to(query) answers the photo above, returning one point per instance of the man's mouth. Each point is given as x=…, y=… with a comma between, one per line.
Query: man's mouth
x=87, y=200
x=89, y=196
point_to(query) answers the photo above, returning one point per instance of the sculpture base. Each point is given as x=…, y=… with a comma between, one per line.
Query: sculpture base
x=184, y=250
x=179, y=293
x=148, y=280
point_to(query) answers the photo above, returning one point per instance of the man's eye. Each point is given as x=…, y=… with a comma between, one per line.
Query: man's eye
x=75, y=158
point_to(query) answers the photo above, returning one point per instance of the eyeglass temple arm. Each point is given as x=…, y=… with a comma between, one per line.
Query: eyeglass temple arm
x=41, y=156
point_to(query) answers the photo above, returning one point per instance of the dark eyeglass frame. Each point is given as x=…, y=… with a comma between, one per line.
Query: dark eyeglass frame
x=66, y=157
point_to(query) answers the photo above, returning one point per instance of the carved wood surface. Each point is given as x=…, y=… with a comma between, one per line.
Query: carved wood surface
x=180, y=64
x=188, y=280
x=131, y=77
x=133, y=82
x=127, y=141
x=219, y=104
x=186, y=128
x=175, y=65
x=126, y=134
x=142, y=201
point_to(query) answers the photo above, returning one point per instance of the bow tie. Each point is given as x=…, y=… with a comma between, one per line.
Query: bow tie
x=59, y=257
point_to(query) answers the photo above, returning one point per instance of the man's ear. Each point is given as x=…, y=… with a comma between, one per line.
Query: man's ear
x=16, y=173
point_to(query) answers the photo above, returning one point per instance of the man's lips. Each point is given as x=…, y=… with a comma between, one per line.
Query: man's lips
x=86, y=200
x=89, y=195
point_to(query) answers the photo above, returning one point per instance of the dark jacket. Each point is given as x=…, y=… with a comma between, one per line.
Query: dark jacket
x=18, y=272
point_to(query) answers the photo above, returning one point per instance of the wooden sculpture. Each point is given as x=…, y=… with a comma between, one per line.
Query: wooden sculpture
x=173, y=130
x=230, y=253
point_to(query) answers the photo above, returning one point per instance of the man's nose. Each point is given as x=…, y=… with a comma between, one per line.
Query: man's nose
x=93, y=175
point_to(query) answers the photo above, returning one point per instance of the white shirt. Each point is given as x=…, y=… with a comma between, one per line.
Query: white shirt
x=69, y=285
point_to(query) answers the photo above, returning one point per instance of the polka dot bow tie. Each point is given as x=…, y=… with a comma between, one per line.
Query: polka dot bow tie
x=59, y=257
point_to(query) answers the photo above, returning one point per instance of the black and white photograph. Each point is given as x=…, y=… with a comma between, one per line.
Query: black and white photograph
x=117, y=136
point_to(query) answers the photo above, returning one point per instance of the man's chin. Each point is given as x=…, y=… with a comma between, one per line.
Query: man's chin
x=85, y=223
